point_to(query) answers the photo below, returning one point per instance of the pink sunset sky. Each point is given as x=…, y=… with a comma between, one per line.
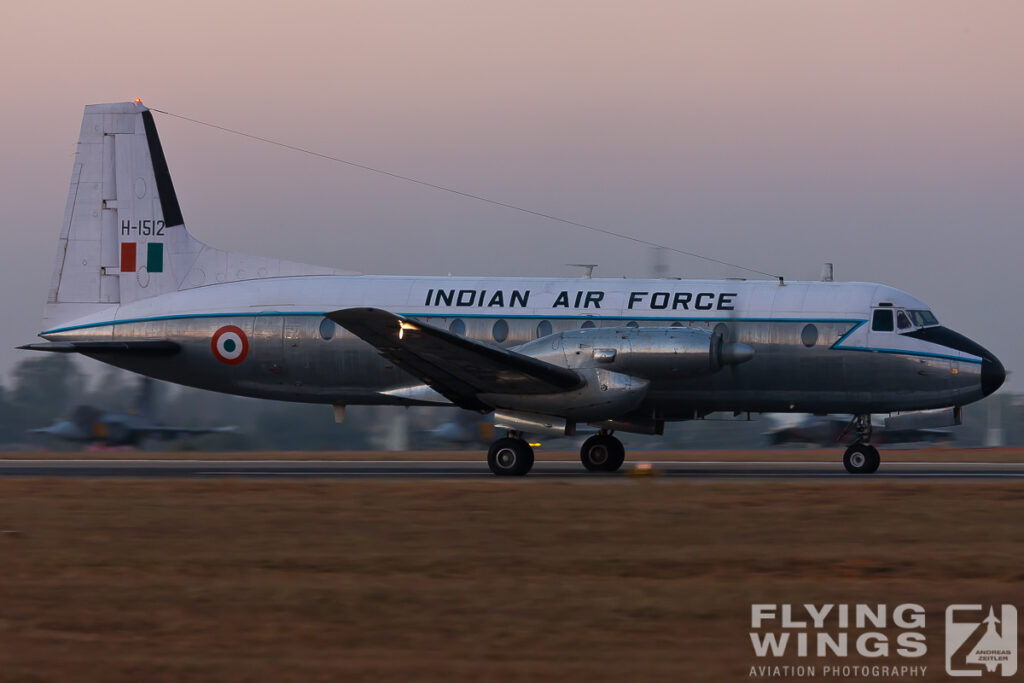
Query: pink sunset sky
x=886, y=137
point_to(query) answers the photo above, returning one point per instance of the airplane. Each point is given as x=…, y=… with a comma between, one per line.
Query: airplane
x=92, y=425
x=466, y=429
x=825, y=430
x=133, y=288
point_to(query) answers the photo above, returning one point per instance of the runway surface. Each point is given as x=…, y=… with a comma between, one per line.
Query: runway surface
x=452, y=469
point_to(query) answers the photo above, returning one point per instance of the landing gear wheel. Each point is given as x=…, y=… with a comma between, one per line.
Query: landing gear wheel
x=510, y=457
x=861, y=458
x=602, y=453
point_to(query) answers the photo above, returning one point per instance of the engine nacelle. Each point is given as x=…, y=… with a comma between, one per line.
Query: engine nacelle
x=532, y=423
x=605, y=394
x=651, y=352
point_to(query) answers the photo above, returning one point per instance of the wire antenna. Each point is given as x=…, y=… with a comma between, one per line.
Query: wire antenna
x=468, y=195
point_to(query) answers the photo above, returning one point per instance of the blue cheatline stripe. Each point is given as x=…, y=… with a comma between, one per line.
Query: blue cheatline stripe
x=902, y=352
x=837, y=346
x=186, y=316
x=852, y=330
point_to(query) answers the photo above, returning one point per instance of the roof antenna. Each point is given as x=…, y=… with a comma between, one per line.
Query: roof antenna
x=588, y=269
x=827, y=273
x=658, y=265
x=467, y=195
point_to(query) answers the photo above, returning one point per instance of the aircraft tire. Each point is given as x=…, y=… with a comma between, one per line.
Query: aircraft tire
x=510, y=457
x=602, y=453
x=861, y=458
x=876, y=460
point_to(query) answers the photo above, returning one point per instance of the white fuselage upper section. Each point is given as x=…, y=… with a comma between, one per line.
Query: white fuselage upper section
x=556, y=298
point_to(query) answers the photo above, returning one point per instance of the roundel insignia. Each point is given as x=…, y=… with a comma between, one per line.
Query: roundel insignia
x=230, y=345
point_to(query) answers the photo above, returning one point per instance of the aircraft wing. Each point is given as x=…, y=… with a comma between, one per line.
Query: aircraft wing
x=454, y=366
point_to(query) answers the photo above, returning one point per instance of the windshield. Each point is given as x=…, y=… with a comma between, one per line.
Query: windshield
x=922, y=318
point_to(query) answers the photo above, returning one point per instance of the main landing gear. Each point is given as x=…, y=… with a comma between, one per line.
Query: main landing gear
x=602, y=453
x=861, y=457
x=512, y=456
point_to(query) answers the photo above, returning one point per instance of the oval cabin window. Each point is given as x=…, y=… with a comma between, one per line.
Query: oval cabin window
x=500, y=331
x=809, y=335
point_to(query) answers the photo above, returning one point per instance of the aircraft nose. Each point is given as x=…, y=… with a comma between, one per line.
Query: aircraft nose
x=993, y=374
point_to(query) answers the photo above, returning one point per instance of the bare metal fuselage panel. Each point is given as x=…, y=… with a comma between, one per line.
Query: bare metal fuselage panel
x=823, y=358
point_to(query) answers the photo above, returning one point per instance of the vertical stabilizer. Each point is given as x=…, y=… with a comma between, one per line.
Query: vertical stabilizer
x=123, y=237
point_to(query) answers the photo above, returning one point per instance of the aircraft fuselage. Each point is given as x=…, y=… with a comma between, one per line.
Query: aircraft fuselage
x=814, y=349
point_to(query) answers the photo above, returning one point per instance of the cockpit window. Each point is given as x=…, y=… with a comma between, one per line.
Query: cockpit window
x=881, y=321
x=902, y=321
x=922, y=318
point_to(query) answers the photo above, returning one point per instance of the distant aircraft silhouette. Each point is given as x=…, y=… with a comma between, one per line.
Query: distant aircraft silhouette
x=467, y=429
x=92, y=425
x=832, y=429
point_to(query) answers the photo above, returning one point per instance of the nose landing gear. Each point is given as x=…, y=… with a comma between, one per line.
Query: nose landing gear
x=862, y=457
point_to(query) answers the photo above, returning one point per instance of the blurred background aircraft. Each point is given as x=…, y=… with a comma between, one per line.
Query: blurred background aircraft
x=468, y=429
x=832, y=429
x=98, y=427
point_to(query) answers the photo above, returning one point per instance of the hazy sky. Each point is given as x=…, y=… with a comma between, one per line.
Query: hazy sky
x=887, y=137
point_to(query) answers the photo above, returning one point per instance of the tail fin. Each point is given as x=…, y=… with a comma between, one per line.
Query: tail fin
x=123, y=237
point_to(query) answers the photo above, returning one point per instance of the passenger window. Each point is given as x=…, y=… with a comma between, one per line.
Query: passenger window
x=882, y=321
x=902, y=321
x=500, y=331
x=327, y=327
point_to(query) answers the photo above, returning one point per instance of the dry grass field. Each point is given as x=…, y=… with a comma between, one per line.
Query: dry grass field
x=470, y=580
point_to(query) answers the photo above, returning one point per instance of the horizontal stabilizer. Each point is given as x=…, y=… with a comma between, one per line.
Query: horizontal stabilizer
x=148, y=347
x=454, y=366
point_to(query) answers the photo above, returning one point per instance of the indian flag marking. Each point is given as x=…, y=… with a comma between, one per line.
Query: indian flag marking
x=127, y=257
x=155, y=257
x=230, y=345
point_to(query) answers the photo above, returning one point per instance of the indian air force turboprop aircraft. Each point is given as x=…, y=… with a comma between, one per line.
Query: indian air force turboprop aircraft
x=131, y=287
